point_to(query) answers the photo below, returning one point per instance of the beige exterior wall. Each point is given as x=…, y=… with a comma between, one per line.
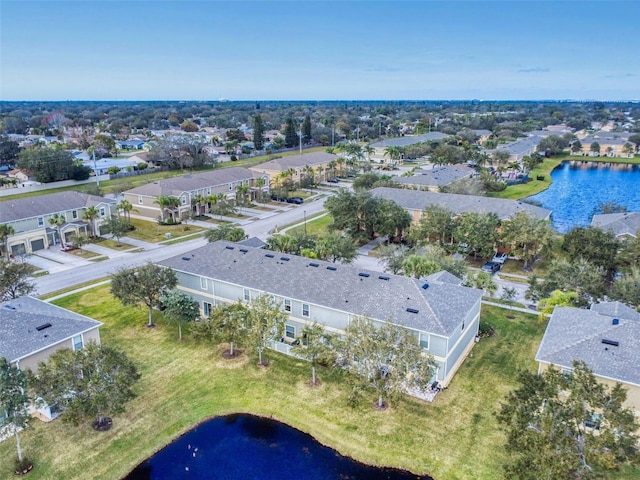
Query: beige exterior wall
x=32, y=361
x=633, y=391
x=604, y=147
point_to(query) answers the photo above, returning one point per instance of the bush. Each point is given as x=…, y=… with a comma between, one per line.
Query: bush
x=486, y=330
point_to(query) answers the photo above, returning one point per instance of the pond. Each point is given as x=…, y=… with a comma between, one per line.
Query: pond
x=246, y=447
x=578, y=188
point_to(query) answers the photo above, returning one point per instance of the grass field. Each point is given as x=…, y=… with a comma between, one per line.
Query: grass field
x=524, y=190
x=149, y=231
x=317, y=225
x=184, y=383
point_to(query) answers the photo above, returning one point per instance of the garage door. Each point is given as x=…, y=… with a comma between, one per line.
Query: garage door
x=37, y=245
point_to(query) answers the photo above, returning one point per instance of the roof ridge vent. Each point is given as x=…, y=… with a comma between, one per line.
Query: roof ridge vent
x=363, y=274
x=383, y=277
x=615, y=321
x=413, y=310
x=43, y=326
x=613, y=343
x=331, y=267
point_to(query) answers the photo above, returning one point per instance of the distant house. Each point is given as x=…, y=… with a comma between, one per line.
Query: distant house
x=442, y=314
x=380, y=147
x=483, y=135
x=102, y=166
x=32, y=330
x=21, y=175
x=299, y=164
x=611, y=144
x=188, y=189
x=606, y=338
x=415, y=202
x=623, y=225
x=130, y=144
x=435, y=178
x=29, y=218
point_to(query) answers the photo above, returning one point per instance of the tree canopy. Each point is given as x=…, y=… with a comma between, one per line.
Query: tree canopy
x=567, y=426
x=15, y=280
x=145, y=285
x=92, y=382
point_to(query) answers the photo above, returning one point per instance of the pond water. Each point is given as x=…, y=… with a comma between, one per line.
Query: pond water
x=246, y=447
x=579, y=187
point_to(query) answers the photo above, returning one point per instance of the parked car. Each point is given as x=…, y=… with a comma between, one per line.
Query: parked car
x=334, y=180
x=491, y=267
x=278, y=199
x=499, y=258
x=296, y=200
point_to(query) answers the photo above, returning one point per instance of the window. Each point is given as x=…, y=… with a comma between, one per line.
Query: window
x=40, y=221
x=183, y=199
x=102, y=212
x=209, y=191
x=74, y=214
x=247, y=294
x=424, y=341
x=203, y=283
x=567, y=372
x=287, y=305
x=206, y=308
x=305, y=310
x=140, y=201
x=290, y=331
x=77, y=342
x=231, y=186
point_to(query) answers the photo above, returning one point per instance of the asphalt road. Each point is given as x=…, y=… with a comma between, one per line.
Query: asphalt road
x=259, y=228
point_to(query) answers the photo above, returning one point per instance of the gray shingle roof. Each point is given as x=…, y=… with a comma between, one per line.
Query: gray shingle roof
x=618, y=223
x=616, y=309
x=576, y=334
x=188, y=183
x=441, y=307
x=521, y=146
x=457, y=204
x=20, y=317
x=437, y=176
x=409, y=140
x=37, y=206
x=295, y=161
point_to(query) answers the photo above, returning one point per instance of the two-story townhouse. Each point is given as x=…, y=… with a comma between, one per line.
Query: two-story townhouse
x=32, y=330
x=606, y=337
x=608, y=144
x=442, y=314
x=380, y=148
x=415, y=201
x=30, y=219
x=437, y=177
x=192, y=191
x=298, y=165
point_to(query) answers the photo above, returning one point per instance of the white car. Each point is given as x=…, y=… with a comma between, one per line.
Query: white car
x=499, y=258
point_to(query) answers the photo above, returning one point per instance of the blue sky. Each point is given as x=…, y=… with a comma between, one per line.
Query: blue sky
x=305, y=50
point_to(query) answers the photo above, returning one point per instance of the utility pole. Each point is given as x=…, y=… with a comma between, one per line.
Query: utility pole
x=304, y=212
x=95, y=168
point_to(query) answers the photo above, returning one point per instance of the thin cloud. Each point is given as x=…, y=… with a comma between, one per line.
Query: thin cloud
x=534, y=70
x=621, y=75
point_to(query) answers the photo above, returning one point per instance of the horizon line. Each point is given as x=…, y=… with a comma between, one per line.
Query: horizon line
x=225, y=100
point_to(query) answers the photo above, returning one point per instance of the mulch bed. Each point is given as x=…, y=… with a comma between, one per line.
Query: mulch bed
x=236, y=353
x=376, y=406
x=104, y=425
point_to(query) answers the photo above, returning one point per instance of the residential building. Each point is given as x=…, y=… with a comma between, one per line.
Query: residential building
x=442, y=314
x=380, y=148
x=520, y=148
x=605, y=337
x=432, y=180
x=193, y=188
x=611, y=144
x=415, y=202
x=29, y=217
x=623, y=225
x=298, y=166
x=32, y=330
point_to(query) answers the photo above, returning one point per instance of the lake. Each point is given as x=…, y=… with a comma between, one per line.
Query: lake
x=579, y=187
x=246, y=447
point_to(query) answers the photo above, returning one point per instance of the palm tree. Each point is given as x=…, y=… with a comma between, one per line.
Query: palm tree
x=259, y=184
x=166, y=202
x=126, y=208
x=57, y=220
x=393, y=153
x=196, y=202
x=90, y=215
x=5, y=232
x=627, y=149
x=241, y=194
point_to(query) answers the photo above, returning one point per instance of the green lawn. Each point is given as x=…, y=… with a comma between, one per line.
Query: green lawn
x=150, y=231
x=81, y=253
x=112, y=244
x=317, y=225
x=524, y=190
x=184, y=383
